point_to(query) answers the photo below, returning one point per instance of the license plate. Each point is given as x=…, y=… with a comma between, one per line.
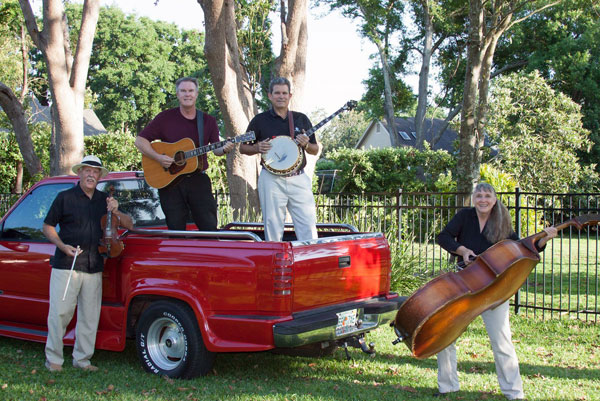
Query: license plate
x=346, y=322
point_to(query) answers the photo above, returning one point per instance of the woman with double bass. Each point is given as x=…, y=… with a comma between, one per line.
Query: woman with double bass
x=470, y=232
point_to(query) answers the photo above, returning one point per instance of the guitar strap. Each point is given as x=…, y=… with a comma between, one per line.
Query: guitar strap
x=200, y=124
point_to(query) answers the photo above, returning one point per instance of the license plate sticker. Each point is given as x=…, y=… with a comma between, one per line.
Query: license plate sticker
x=346, y=322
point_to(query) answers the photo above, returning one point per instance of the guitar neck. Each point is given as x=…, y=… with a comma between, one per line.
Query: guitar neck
x=207, y=148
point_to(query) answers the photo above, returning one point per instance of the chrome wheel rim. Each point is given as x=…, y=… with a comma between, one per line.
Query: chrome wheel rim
x=166, y=343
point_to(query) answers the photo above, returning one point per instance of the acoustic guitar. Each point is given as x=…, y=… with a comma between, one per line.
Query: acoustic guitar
x=185, y=158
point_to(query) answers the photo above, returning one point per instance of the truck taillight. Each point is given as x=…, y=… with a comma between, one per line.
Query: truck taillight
x=282, y=273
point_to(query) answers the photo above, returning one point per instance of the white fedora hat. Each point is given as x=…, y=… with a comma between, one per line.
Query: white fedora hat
x=91, y=161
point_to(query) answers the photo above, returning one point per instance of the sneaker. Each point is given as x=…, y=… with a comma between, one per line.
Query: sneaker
x=87, y=368
x=53, y=367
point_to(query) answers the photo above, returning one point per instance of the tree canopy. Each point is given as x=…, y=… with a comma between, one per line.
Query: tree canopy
x=563, y=44
x=135, y=64
x=537, y=131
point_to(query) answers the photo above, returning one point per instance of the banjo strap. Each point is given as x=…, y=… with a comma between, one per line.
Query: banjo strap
x=291, y=122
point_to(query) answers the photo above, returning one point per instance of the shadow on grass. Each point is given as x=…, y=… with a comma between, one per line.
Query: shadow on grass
x=247, y=376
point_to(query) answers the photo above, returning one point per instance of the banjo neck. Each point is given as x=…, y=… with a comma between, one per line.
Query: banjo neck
x=348, y=106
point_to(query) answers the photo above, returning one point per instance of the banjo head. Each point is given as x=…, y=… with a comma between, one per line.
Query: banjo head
x=284, y=157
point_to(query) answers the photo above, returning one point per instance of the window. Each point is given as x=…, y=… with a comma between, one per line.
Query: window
x=404, y=135
x=25, y=222
x=138, y=200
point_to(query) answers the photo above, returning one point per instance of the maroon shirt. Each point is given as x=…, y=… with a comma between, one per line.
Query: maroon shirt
x=171, y=126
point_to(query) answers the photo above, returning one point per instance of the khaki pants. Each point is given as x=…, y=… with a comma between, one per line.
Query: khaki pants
x=292, y=193
x=507, y=365
x=85, y=293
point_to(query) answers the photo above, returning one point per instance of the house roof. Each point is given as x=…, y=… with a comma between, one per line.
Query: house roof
x=407, y=133
x=91, y=123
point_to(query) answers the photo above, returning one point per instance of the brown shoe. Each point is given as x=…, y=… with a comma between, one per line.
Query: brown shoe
x=53, y=367
x=87, y=368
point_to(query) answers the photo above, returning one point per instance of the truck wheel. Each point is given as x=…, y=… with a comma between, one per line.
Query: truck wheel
x=169, y=342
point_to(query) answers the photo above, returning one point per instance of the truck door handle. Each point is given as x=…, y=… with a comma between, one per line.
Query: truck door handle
x=344, y=261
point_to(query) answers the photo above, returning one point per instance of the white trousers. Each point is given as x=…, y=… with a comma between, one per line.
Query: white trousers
x=85, y=293
x=292, y=193
x=507, y=365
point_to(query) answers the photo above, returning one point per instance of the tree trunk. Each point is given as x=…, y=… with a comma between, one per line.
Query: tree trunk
x=388, y=101
x=467, y=166
x=16, y=114
x=67, y=75
x=484, y=34
x=237, y=105
x=424, y=77
x=291, y=62
x=232, y=88
x=18, y=187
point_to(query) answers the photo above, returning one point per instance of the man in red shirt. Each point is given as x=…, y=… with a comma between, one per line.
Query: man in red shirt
x=190, y=192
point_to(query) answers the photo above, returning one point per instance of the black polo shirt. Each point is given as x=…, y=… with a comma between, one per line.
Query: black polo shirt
x=78, y=218
x=463, y=230
x=269, y=124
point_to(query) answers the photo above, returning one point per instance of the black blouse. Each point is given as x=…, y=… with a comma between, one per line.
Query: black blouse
x=463, y=230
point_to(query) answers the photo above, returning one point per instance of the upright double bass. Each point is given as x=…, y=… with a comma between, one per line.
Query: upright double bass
x=438, y=313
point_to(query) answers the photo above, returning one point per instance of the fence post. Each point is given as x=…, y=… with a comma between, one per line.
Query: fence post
x=399, y=214
x=518, y=232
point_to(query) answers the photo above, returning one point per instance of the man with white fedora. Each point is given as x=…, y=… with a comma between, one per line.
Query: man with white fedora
x=77, y=262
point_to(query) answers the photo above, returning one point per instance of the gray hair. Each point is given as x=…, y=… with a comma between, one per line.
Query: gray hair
x=498, y=226
x=193, y=80
x=280, y=81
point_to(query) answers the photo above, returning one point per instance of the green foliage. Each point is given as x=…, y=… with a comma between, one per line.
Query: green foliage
x=343, y=131
x=407, y=275
x=116, y=150
x=217, y=171
x=11, y=155
x=373, y=101
x=501, y=181
x=384, y=170
x=11, y=73
x=134, y=65
x=563, y=44
x=537, y=131
x=254, y=40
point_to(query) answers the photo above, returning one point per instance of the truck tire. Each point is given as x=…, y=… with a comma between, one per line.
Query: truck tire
x=169, y=342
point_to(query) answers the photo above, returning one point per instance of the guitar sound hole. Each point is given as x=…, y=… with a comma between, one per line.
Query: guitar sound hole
x=179, y=158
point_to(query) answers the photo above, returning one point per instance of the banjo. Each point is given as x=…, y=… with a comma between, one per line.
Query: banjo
x=285, y=156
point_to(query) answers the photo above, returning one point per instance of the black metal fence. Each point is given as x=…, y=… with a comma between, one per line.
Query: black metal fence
x=565, y=284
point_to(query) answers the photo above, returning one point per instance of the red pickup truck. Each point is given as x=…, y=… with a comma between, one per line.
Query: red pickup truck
x=187, y=295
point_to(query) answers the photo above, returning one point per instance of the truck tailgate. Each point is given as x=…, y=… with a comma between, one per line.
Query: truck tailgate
x=339, y=269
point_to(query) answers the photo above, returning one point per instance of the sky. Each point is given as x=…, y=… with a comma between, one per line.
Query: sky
x=337, y=59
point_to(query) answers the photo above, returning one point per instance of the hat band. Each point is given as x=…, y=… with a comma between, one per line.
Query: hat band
x=92, y=163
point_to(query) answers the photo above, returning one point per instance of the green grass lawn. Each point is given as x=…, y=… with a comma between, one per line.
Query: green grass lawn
x=559, y=359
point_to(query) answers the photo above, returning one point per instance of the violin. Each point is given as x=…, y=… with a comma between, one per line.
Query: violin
x=439, y=312
x=110, y=245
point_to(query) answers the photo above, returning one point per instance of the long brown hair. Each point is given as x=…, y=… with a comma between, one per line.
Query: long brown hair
x=498, y=226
